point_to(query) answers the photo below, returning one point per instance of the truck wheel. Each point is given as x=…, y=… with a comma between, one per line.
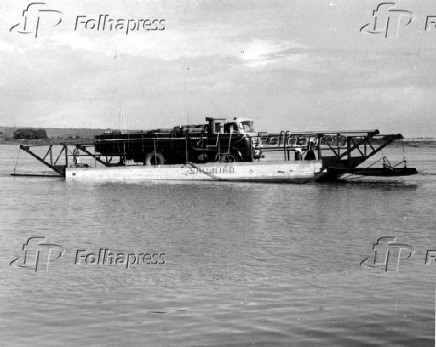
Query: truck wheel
x=228, y=158
x=154, y=158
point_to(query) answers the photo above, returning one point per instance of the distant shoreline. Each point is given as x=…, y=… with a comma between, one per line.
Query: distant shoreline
x=55, y=136
x=416, y=142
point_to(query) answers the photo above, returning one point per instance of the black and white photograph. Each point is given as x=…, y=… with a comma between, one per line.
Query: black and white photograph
x=217, y=173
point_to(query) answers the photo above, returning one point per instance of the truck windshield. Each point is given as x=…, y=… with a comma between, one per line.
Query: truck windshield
x=247, y=126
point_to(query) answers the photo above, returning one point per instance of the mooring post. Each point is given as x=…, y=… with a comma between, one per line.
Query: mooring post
x=186, y=147
x=155, y=160
x=124, y=152
x=66, y=155
x=51, y=155
x=318, y=138
x=284, y=143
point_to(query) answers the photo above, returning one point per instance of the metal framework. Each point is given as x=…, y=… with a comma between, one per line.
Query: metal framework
x=344, y=149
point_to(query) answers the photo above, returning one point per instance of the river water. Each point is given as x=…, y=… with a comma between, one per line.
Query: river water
x=245, y=264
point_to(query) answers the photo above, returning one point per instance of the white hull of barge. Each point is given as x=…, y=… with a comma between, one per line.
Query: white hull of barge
x=290, y=172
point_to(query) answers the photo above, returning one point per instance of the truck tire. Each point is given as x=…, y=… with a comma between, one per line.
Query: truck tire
x=228, y=158
x=154, y=158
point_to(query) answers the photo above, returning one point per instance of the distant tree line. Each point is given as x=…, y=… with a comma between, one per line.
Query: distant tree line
x=30, y=134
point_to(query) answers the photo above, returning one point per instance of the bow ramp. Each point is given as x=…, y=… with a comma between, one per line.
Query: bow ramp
x=341, y=152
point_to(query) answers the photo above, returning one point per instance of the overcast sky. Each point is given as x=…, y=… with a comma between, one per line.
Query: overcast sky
x=289, y=65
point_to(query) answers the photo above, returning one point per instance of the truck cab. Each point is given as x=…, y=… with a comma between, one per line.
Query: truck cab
x=235, y=126
x=242, y=127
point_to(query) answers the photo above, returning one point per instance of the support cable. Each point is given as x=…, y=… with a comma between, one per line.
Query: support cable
x=18, y=157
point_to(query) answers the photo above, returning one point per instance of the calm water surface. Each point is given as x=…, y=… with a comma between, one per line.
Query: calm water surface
x=246, y=264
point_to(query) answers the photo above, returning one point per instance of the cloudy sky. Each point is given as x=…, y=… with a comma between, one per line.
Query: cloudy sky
x=289, y=65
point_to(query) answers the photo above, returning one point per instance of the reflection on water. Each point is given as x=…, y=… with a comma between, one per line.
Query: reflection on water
x=245, y=263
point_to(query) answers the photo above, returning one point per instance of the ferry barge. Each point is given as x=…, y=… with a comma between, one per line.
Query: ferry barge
x=220, y=150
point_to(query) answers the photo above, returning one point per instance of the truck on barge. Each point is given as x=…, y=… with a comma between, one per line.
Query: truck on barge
x=217, y=141
x=222, y=150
